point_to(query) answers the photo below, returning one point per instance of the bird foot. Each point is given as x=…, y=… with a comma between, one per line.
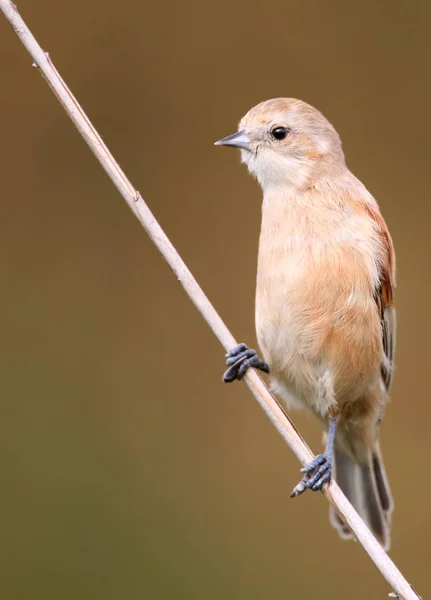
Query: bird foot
x=316, y=473
x=239, y=359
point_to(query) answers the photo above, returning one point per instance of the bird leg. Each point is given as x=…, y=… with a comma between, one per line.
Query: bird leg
x=239, y=359
x=319, y=470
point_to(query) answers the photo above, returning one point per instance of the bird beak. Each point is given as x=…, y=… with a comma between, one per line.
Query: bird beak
x=238, y=140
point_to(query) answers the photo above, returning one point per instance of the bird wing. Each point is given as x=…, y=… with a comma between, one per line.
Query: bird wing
x=388, y=317
x=384, y=296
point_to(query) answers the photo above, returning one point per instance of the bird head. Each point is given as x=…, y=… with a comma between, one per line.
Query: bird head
x=286, y=142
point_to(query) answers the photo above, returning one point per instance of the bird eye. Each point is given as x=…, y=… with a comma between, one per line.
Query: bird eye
x=279, y=133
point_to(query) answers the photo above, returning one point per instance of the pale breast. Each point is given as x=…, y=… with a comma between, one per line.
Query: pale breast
x=315, y=312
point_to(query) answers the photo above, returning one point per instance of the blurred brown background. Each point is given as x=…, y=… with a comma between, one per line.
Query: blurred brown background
x=127, y=469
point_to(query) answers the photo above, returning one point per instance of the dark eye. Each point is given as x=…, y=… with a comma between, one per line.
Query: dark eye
x=279, y=133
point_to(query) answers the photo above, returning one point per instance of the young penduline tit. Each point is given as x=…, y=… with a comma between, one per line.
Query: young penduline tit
x=325, y=316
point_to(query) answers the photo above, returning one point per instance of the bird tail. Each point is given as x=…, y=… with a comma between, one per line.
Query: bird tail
x=367, y=488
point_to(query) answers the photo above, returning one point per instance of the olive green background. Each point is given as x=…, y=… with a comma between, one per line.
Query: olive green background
x=127, y=469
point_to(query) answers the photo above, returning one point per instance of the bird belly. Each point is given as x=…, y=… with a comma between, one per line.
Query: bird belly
x=319, y=330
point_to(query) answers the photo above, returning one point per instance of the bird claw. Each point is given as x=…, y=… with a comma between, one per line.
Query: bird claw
x=316, y=474
x=319, y=460
x=239, y=359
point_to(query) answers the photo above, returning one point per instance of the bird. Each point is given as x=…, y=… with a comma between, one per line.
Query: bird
x=324, y=307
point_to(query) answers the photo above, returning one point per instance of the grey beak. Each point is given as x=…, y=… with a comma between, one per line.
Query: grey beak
x=238, y=140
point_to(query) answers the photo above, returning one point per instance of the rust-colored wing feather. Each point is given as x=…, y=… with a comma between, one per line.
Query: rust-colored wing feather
x=384, y=296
